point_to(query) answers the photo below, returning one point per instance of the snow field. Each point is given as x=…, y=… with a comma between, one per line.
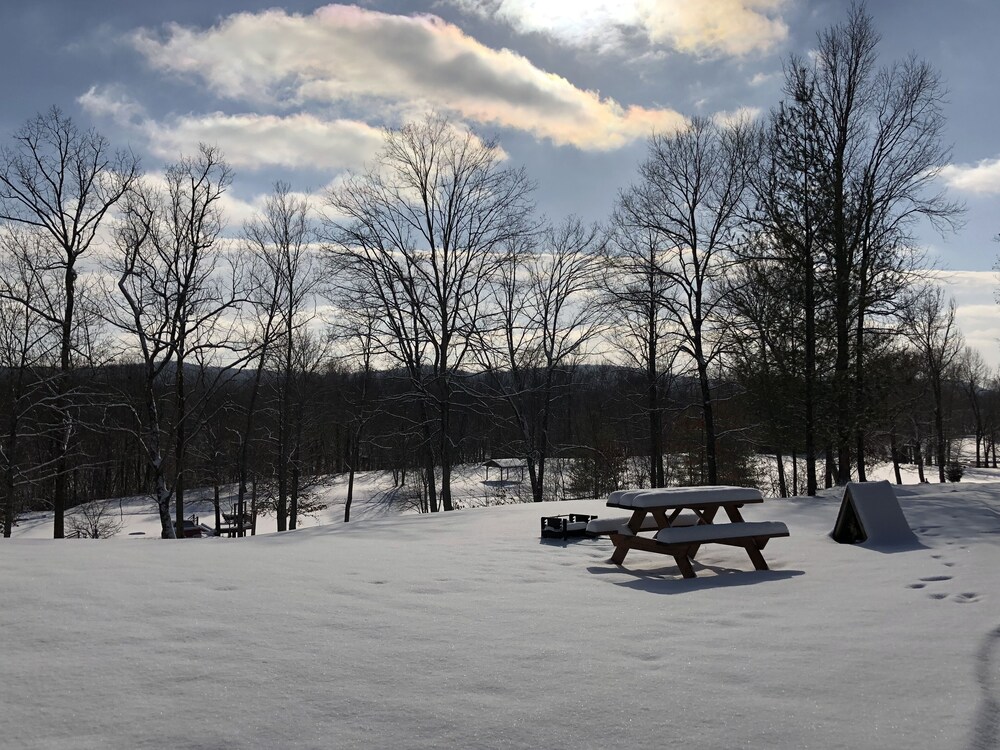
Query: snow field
x=465, y=630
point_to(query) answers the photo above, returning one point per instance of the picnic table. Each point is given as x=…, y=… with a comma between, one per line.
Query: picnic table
x=684, y=518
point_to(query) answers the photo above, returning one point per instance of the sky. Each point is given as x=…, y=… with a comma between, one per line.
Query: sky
x=571, y=89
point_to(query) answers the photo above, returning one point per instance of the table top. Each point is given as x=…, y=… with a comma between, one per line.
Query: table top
x=684, y=497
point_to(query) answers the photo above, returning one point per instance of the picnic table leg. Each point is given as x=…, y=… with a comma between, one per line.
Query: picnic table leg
x=752, y=548
x=684, y=565
x=705, y=516
x=635, y=522
x=733, y=511
x=623, y=543
x=755, y=556
x=708, y=514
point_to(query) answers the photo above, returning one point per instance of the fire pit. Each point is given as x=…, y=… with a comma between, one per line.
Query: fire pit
x=565, y=526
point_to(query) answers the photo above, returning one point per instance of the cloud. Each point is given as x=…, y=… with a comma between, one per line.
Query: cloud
x=978, y=324
x=761, y=79
x=975, y=294
x=983, y=177
x=740, y=116
x=705, y=28
x=348, y=55
x=248, y=141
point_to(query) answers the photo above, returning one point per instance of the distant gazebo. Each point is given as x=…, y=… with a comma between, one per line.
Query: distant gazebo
x=506, y=465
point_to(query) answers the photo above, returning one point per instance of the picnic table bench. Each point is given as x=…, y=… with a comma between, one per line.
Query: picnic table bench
x=679, y=533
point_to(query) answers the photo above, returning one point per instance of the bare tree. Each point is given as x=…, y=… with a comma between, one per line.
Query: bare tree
x=172, y=301
x=98, y=519
x=29, y=344
x=422, y=234
x=975, y=376
x=929, y=324
x=690, y=194
x=63, y=181
x=643, y=333
x=548, y=314
x=356, y=330
x=878, y=137
x=792, y=214
x=284, y=286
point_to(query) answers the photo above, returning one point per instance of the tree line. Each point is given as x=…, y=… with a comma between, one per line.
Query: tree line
x=756, y=290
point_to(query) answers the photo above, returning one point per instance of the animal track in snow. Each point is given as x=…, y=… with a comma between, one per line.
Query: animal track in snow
x=930, y=579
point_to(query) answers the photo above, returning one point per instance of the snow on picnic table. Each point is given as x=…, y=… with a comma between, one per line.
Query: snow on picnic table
x=465, y=630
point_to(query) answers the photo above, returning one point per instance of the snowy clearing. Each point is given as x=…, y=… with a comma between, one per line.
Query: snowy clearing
x=465, y=630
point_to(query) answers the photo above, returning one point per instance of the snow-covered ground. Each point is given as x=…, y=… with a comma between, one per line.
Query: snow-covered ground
x=465, y=630
x=374, y=497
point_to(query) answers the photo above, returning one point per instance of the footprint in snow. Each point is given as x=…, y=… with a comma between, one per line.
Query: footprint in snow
x=930, y=579
x=967, y=597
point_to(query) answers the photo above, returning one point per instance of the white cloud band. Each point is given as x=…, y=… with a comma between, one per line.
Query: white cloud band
x=345, y=54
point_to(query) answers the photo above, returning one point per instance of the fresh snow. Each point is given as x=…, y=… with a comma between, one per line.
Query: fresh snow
x=466, y=630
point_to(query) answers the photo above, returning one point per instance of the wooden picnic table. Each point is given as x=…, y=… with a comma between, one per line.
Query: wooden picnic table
x=679, y=533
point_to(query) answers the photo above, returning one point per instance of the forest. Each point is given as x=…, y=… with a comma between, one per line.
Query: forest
x=757, y=291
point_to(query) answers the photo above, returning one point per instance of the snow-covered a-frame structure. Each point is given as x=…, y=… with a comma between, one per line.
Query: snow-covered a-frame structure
x=870, y=515
x=506, y=466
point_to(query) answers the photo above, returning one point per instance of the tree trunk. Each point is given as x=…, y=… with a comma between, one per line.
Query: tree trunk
x=782, y=486
x=810, y=384
x=444, y=412
x=536, y=487
x=62, y=398
x=895, y=457
x=795, y=474
x=653, y=397
x=282, y=467
x=355, y=454
x=8, y=503
x=293, y=508
x=180, y=446
x=218, y=510
x=831, y=467
x=919, y=458
x=709, y=422
x=860, y=440
x=11, y=462
x=253, y=508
